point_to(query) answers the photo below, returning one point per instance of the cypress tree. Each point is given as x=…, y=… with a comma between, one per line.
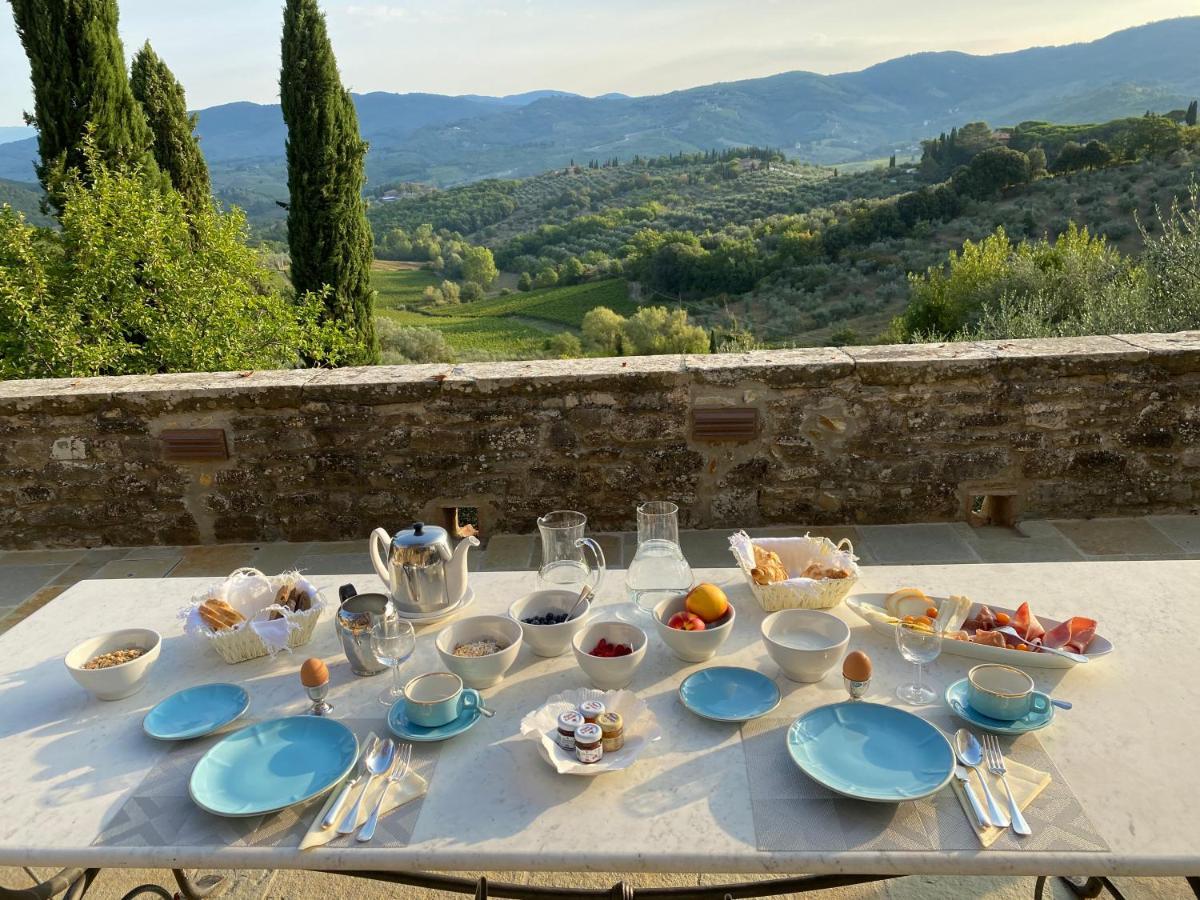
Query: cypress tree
x=328, y=233
x=176, y=147
x=1190, y=117
x=77, y=67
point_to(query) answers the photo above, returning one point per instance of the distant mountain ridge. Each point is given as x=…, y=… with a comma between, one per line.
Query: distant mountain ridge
x=821, y=118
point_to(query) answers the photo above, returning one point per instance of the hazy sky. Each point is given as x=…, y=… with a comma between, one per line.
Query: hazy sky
x=227, y=50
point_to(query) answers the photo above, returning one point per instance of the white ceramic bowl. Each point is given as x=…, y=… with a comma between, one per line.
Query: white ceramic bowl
x=805, y=643
x=609, y=673
x=691, y=646
x=480, y=671
x=548, y=640
x=115, y=682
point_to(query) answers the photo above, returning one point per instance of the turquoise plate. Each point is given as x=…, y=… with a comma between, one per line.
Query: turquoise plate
x=956, y=699
x=729, y=694
x=196, y=711
x=272, y=765
x=871, y=752
x=402, y=728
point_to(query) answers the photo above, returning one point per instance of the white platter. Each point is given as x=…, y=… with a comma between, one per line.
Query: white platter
x=641, y=730
x=870, y=608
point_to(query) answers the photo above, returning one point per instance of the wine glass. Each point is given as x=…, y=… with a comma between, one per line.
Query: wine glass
x=919, y=644
x=393, y=640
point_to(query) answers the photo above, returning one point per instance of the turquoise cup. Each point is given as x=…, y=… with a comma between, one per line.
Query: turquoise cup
x=437, y=698
x=1005, y=693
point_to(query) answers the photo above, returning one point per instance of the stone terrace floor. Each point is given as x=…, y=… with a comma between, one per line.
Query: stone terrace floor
x=31, y=578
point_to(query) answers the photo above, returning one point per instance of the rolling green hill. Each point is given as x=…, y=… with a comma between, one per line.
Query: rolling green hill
x=26, y=199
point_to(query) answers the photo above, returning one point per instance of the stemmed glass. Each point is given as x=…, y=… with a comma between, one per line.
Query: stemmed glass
x=393, y=640
x=919, y=644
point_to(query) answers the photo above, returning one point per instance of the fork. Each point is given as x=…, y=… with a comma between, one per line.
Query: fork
x=403, y=764
x=995, y=763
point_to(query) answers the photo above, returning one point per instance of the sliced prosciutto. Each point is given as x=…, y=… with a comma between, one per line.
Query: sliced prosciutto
x=990, y=638
x=984, y=620
x=1026, y=624
x=1074, y=634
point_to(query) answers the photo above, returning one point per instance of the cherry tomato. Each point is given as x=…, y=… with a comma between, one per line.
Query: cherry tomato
x=1003, y=618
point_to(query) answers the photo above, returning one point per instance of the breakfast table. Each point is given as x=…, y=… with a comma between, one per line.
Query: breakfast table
x=708, y=797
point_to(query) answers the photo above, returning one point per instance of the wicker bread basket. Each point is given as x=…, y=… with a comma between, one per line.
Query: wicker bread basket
x=245, y=642
x=796, y=553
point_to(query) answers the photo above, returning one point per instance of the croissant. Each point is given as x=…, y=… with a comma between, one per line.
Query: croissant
x=768, y=567
x=219, y=615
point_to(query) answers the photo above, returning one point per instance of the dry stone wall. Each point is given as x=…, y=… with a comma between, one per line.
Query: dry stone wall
x=1075, y=427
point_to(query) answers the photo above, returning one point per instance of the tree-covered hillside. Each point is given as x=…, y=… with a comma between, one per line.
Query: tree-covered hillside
x=791, y=253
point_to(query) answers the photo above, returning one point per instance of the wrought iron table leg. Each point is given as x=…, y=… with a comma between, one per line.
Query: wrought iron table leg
x=191, y=890
x=63, y=880
x=1194, y=883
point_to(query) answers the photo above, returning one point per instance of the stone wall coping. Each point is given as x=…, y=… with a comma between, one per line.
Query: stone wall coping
x=1179, y=352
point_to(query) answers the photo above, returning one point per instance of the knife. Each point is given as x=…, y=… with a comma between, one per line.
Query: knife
x=980, y=816
x=335, y=810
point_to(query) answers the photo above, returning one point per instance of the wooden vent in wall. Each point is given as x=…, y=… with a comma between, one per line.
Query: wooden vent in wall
x=724, y=423
x=194, y=445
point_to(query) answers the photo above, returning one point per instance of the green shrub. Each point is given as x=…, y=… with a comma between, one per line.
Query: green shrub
x=401, y=344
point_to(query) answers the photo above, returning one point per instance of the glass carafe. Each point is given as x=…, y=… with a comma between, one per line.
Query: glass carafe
x=565, y=552
x=659, y=569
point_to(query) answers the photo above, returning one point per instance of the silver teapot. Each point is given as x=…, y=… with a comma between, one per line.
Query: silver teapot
x=422, y=574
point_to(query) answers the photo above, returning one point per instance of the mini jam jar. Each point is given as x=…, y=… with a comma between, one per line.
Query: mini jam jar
x=612, y=727
x=591, y=710
x=568, y=723
x=589, y=744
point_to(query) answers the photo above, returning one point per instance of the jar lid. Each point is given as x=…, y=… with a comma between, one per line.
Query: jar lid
x=588, y=734
x=570, y=720
x=610, y=722
x=591, y=707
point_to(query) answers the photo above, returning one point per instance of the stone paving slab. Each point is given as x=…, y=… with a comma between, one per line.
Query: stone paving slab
x=153, y=567
x=918, y=544
x=18, y=582
x=1029, y=542
x=1183, y=531
x=1117, y=538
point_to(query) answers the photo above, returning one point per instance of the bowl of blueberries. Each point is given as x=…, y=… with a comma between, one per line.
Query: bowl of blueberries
x=544, y=622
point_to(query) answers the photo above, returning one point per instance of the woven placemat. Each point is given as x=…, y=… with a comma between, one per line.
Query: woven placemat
x=793, y=813
x=159, y=813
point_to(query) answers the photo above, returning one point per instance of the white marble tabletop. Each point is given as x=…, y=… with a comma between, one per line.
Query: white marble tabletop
x=1127, y=748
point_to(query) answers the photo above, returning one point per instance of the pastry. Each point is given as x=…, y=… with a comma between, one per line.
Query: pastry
x=219, y=615
x=818, y=572
x=768, y=567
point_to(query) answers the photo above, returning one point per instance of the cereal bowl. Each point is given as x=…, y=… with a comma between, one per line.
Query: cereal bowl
x=548, y=640
x=613, y=672
x=119, y=681
x=691, y=646
x=805, y=643
x=480, y=671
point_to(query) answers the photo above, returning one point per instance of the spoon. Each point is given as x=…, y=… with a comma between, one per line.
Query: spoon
x=970, y=754
x=585, y=597
x=379, y=761
x=1078, y=657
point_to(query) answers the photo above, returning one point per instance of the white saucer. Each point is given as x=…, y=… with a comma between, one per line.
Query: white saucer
x=426, y=618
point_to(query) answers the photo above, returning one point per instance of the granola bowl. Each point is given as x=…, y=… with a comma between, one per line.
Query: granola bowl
x=120, y=679
x=475, y=635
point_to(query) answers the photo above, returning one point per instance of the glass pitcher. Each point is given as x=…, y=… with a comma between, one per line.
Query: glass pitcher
x=565, y=553
x=659, y=569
